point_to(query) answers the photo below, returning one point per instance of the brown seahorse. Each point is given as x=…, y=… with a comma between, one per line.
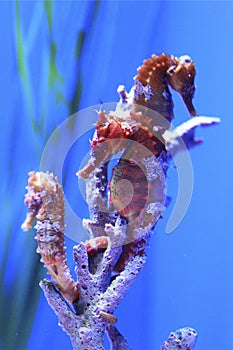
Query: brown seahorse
x=137, y=192
x=151, y=90
x=156, y=74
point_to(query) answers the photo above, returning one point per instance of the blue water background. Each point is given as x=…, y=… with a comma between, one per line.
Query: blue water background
x=188, y=277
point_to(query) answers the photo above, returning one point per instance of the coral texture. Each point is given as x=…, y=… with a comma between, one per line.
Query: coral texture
x=123, y=209
x=183, y=339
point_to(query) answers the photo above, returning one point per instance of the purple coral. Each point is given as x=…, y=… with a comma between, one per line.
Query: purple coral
x=86, y=328
x=139, y=90
x=181, y=339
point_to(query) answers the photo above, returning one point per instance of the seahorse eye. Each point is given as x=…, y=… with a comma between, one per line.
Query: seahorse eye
x=185, y=59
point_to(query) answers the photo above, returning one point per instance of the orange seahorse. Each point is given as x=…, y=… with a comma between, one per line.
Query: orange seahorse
x=151, y=89
x=137, y=185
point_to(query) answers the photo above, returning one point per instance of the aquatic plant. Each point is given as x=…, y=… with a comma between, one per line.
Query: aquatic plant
x=123, y=209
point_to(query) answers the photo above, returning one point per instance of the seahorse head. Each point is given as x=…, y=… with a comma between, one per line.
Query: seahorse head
x=180, y=77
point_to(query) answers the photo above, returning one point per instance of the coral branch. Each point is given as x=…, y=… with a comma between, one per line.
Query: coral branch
x=99, y=296
x=182, y=339
x=183, y=136
x=117, y=340
x=118, y=288
x=67, y=319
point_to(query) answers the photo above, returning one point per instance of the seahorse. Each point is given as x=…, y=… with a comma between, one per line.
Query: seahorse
x=137, y=125
x=151, y=90
x=45, y=202
x=156, y=74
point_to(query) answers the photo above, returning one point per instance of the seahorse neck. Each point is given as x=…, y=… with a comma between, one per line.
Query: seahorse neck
x=151, y=85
